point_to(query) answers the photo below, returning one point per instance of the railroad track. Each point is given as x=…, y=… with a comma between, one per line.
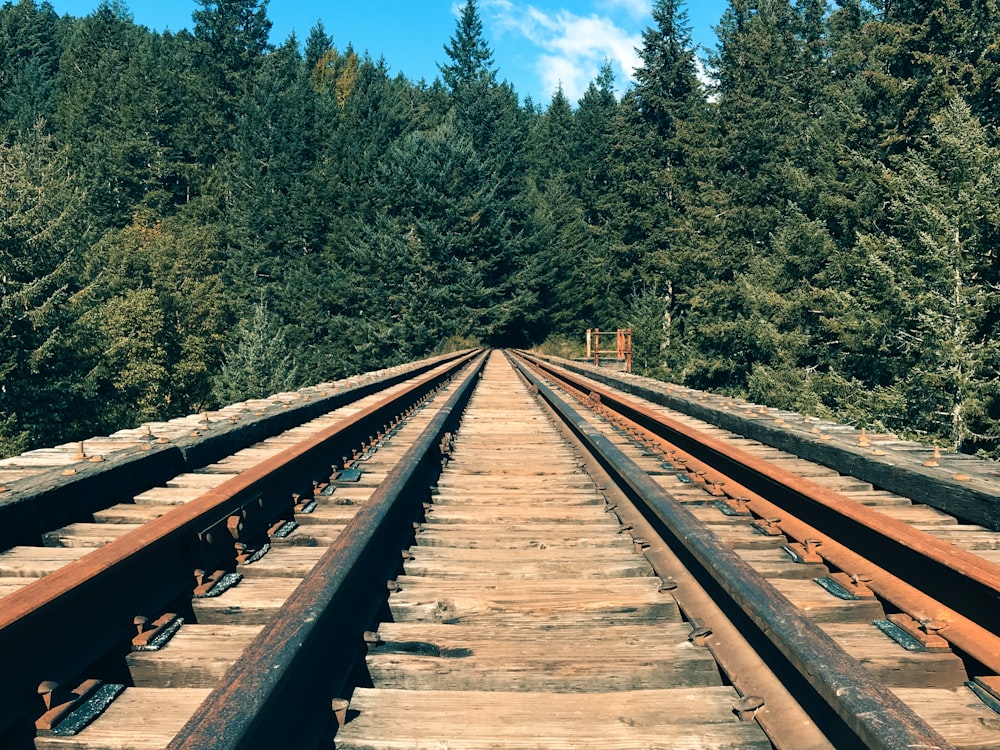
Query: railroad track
x=495, y=552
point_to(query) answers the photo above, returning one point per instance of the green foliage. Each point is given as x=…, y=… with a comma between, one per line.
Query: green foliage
x=260, y=364
x=557, y=345
x=41, y=237
x=29, y=59
x=815, y=229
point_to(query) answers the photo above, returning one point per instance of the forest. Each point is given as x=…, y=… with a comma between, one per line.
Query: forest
x=189, y=219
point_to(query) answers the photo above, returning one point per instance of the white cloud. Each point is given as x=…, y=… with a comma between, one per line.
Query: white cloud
x=570, y=47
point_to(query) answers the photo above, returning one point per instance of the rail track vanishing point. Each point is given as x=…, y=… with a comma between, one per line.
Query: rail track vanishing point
x=495, y=549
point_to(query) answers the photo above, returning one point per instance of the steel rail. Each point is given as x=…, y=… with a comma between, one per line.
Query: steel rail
x=50, y=499
x=93, y=600
x=879, y=719
x=900, y=548
x=303, y=658
x=783, y=718
x=963, y=633
x=973, y=499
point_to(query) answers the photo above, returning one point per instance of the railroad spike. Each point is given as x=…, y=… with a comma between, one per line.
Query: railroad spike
x=340, y=706
x=699, y=636
x=49, y=690
x=747, y=706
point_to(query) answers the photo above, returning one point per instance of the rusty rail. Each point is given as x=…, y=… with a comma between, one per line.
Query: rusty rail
x=34, y=505
x=949, y=573
x=878, y=718
x=56, y=627
x=974, y=499
x=303, y=658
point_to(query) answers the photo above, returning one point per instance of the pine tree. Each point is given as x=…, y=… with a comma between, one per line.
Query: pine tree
x=656, y=243
x=29, y=58
x=233, y=37
x=931, y=276
x=42, y=231
x=488, y=114
x=471, y=59
x=260, y=364
x=109, y=112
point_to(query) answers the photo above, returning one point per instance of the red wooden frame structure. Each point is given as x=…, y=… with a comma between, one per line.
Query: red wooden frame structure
x=623, y=346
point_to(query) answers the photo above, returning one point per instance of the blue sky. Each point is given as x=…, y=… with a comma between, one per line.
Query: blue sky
x=537, y=44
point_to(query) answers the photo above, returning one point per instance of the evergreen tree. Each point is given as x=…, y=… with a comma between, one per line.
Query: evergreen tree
x=593, y=139
x=109, y=111
x=260, y=365
x=42, y=231
x=29, y=59
x=470, y=57
x=488, y=113
x=656, y=243
x=233, y=37
x=930, y=278
x=272, y=199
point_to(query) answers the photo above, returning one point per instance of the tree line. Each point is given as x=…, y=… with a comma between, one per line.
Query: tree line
x=192, y=218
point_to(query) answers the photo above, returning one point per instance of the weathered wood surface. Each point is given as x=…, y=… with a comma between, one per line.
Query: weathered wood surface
x=288, y=561
x=422, y=656
x=252, y=602
x=958, y=714
x=87, y=534
x=197, y=656
x=34, y=562
x=541, y=535
x=520, y=584
x=131, y=513
x=536, y=562
x=891, y=663
x=10, y=584
x=139, y=719
x=822, y=607
x=678, y=719
x=612, y=602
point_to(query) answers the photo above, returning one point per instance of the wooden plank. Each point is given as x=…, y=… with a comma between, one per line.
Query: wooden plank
x=892, y=664
x=195, y=480
x=680, y=719
x=284, y=561
x=958, y=715
x=9, y=584
x=823, y=607
x=923, y=515
x=168, y=495
x=310, y=535
x=197, y=656
x=252, y=602
x=458, y=657
x=776, y=563
x=139, y=719
x=548, y=562
x=968, y=537
x=87, y=534
x=738, y=534
x=608, y=601
x=131, y=513
x=35, y=562
x=507, y=515
x=492, y=496
x=554, y=535
x=327, y=512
